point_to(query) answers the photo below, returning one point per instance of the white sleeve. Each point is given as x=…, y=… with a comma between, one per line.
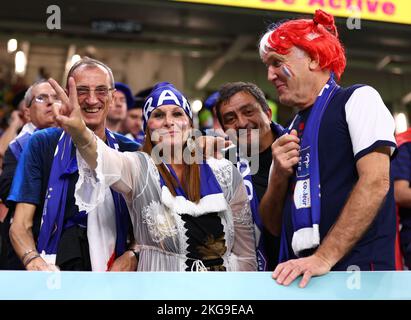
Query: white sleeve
x=244, y=241
x=114, y=169
x=370, y=123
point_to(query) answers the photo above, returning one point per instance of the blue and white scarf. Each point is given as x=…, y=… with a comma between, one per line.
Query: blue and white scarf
x=52, y=225
x=244, y=167
x=209, y=184
x=306, y=207
x=140, y=137
x=212, y=197
x=18, y=144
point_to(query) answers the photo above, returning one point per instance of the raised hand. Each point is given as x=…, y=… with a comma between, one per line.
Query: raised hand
x=68, y=116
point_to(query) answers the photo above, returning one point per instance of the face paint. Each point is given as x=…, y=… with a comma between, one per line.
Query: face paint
x=286, y=71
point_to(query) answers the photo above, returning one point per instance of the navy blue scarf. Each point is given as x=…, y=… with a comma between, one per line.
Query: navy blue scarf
x=64, y=165
x=306, y=207
x=209, y=184
x=244, y=168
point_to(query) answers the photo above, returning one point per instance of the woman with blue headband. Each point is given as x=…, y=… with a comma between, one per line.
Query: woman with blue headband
x=187, y=216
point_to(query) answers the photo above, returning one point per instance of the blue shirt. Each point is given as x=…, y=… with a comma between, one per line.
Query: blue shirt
x=401, y=170
x=338, y=154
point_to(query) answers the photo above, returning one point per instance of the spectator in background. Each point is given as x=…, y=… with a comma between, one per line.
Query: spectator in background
x=133, y=125
x=7, y=133
x=38, y=100
x=118, y=109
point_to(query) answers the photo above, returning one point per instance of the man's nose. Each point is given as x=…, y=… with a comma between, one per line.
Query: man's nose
x=242, y=122
x=92, y=98
x=52, y=99
x=118, y=102
x=272, y=73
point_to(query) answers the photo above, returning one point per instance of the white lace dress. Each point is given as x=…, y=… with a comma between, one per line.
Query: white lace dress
x=157, y=215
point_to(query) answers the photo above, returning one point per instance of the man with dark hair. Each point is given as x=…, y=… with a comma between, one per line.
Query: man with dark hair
x=38, y=99
x=242, y=107
x=47, y=228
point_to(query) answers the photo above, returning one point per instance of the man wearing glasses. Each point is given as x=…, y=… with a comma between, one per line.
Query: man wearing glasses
x=39, y=99
x=47, y=229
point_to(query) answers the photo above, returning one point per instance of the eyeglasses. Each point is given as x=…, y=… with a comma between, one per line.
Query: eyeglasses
x=45, y=99
x=100, y=92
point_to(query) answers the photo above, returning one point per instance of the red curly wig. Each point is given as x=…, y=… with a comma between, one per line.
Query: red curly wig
x=317, y=37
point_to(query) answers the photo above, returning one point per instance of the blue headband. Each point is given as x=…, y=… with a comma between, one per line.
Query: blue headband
x=164, y=93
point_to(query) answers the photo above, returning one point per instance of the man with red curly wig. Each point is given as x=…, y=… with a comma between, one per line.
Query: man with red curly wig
x=329, y=193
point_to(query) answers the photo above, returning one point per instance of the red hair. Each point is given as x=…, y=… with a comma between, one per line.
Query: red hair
x=317, y=37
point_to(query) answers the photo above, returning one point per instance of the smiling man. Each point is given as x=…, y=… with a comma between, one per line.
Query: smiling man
x=47, y=228
x=330, y=182
x=242, y=107
x=117, y=113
